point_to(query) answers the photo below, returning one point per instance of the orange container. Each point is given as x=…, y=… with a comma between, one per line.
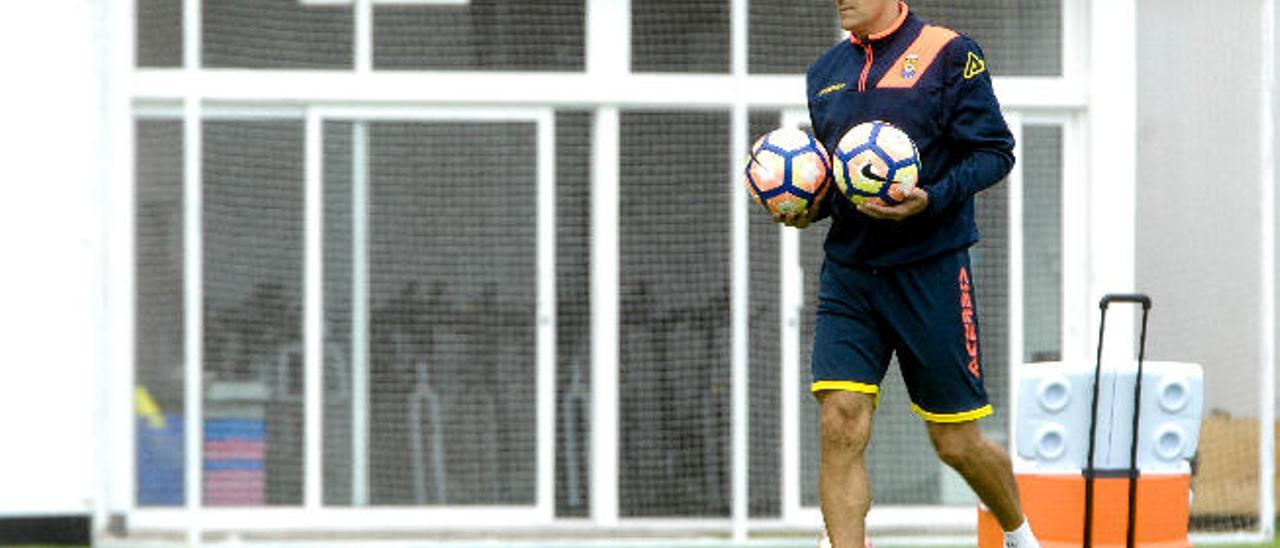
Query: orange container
x=1054, y=504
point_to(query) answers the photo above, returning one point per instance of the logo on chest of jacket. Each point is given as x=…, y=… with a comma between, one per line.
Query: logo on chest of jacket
x=831, y=88
x=909, y=63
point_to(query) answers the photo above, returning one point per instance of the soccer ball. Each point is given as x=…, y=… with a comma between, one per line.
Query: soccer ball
x=787, y=171
x=876, y=162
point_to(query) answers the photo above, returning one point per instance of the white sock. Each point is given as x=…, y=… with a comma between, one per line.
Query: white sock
x=1021, y=537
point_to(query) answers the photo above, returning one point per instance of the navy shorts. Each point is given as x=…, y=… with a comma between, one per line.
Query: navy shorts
x=925, y=312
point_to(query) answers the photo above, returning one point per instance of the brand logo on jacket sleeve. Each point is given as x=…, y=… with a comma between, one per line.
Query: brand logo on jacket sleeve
x=974, y=66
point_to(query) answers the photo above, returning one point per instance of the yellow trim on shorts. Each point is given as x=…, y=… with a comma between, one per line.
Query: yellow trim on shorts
x=963, y=416
x=847, y=386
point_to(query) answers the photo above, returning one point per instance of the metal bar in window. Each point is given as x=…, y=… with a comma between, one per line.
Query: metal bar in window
x=1016, y=295
x=608, y=58
x=791, y=289
x=193, y=316
x=313, y=312
x=546, y=326
x=741, y=279
x=338, y=3
x=605, y=317
x=362, y=53
x=193, y=272
x=359, y=314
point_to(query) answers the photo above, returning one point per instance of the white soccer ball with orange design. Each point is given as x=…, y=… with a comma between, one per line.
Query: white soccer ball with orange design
x=876, y=162
x=787, y=171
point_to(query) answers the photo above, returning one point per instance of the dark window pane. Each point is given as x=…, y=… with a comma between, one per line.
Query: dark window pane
x=573, y=313
x=158, y=33
x=159, y=323
x=680, y=36
x=785, y=36
x=276, y=34
x=481, y=35
x=1019, y=37
x=1042, y=242
x=338, y=335
x=675, y=336
x=452, y=301
x=253, y=351
x=764, y=487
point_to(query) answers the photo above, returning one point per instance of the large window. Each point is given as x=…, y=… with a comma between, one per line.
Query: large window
x=464, y=251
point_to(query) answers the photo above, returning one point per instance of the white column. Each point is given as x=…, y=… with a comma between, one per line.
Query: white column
x=1077, y=310
x=1017, y=339
x=608, y=47
x=115, y=375
x=313, y=314
x=362, y=48
x=193, y=313
x=608, y=52
x=193, y=275
x=791, y=293
x=1112, y=176
x=546, y=345
x=740, y=275
x=1267, y=257
x=604, y=318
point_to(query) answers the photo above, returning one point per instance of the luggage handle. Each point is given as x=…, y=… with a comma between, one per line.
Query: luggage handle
x=1134, y=298
x=1089, y=472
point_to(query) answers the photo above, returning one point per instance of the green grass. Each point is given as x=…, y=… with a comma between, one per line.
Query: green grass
x=1277, y=543
x=552, y=545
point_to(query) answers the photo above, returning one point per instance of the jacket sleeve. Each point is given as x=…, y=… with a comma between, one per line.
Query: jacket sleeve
x=974, y=125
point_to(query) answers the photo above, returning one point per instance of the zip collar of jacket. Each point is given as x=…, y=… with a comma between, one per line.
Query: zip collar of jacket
x=897, y=24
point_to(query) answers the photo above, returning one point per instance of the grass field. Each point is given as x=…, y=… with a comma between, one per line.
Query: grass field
x=578, y=545
x=581, y=543
x=552, y=545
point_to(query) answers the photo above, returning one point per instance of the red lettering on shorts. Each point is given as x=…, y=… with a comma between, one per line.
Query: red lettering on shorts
x=970, y=327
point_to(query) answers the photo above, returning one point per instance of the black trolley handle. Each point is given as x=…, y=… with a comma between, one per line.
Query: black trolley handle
x=1089, y=472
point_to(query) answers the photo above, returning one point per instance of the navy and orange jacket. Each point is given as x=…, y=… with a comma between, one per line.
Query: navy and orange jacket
x=933, y=84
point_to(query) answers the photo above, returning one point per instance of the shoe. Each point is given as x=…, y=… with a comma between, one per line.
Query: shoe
x=824, y=542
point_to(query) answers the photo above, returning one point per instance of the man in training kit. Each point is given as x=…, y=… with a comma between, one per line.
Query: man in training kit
x=896, y=278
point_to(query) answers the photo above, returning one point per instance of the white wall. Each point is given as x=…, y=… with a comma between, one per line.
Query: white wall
x=49, y=241
x=1199, y=231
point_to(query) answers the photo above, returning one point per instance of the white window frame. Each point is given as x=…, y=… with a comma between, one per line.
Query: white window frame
x=1097, y=84
x=387, y=2
x=312, y=514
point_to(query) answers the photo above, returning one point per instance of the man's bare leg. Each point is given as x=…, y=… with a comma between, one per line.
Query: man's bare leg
x=843, y=487
x=984, y=465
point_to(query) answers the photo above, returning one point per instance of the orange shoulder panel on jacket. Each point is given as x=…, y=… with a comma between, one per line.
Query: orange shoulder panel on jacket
x=906, y=70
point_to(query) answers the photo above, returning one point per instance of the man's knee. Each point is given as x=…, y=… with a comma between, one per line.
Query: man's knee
x=846, y=420
x=956, y=444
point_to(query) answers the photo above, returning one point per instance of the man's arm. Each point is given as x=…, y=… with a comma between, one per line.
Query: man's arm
x=975, y=125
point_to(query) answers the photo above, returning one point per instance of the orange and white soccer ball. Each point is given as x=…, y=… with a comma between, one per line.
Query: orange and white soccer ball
x=876, y=162
x=787, y=171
